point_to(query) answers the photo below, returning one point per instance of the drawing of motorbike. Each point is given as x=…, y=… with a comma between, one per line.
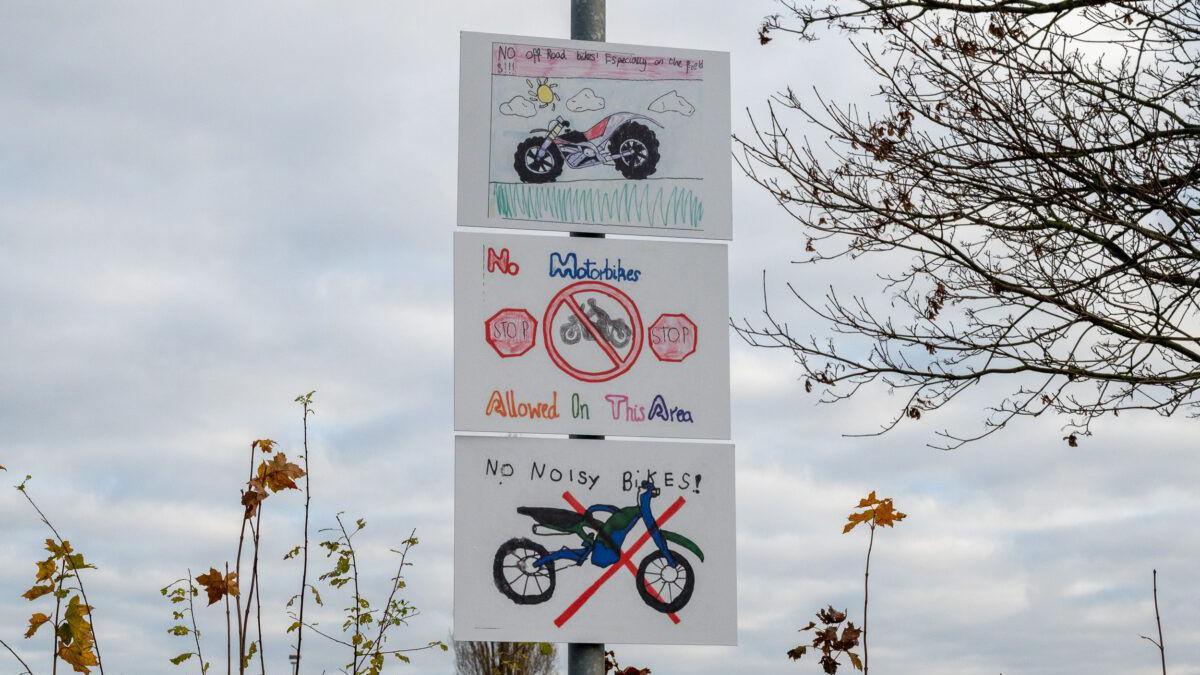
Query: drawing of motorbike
x=524, y=571
x=619, y=140
x=616, y=332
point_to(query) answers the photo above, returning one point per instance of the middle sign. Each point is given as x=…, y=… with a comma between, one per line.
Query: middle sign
x=573, y=335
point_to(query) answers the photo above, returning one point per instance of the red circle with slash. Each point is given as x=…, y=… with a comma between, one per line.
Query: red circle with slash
x=620, y=363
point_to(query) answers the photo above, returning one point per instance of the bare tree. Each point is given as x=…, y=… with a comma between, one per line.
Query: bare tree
x=1036, y=163
x=504, y=658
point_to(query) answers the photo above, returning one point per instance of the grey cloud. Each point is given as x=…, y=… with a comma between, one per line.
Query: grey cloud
x=584, y=101
x=518, y=106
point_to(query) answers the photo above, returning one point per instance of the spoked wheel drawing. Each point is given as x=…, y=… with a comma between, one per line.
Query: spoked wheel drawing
x=535, y=165
x=672, y=586
x=517, y=577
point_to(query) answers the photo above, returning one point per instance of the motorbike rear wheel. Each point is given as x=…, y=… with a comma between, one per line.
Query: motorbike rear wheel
x=664, y=588
x=514, y=572
x=534, y=166
x=634, y=148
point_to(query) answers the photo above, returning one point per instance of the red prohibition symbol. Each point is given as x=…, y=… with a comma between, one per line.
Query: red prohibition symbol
x=568, y=297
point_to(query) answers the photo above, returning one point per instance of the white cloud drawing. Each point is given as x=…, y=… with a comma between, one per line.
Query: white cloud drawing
x=518, y=106
x=672, y=102
x=585, y=100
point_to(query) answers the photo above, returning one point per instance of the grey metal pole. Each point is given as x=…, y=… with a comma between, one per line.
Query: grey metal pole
x=587, y=20
x=587, y=23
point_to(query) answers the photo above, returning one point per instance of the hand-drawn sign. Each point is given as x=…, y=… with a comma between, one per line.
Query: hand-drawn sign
x=673, y=337
x=618, y=336
x=561, y=540
x=593, y=137
x=589, y=369
x=511, y=332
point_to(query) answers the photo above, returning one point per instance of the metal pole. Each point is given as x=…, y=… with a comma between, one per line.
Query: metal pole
x=587, y=20
x=587, y=23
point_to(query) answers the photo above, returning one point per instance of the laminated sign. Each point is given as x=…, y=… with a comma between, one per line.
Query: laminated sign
x=594, y=541
x=590, y=336
x=593, y=137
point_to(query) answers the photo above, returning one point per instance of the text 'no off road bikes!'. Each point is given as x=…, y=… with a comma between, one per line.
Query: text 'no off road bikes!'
x=526, y=572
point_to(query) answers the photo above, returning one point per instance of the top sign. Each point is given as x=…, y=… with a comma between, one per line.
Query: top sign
x=593, y=137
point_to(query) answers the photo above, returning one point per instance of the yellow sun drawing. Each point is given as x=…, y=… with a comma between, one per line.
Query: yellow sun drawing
x=542, y=92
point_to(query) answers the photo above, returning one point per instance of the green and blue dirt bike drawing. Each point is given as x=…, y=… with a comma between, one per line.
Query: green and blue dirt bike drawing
x=525, y=571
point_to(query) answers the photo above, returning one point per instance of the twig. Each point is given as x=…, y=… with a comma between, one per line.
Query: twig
x=17, y=657
x=192, y=612
x=866, y=596
x=357, y=596
x=57, y=606
x=304, y=564
x=228, y=631
x=1162, y=654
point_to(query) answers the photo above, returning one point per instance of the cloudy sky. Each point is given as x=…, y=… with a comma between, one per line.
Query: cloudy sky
x=208, y=208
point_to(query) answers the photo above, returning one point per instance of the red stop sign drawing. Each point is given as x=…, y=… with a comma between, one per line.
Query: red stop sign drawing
x=673, y=337
x=511, y=332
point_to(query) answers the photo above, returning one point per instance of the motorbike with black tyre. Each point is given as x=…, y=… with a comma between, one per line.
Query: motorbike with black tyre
x=525, y=572
x=621, y=140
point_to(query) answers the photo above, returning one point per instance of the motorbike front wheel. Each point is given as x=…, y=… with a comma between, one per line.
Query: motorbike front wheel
x=517, y=577
x=533, y=164
x=664, y=588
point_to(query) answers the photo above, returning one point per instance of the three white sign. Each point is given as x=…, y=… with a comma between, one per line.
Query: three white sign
x=594, y=541
x=587, y=540
x=593, y=137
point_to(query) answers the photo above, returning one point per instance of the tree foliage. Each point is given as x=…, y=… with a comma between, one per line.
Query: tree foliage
x=1035, y=167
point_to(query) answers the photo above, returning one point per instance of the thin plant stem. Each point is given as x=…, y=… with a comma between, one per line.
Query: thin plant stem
x=57, y=606
x=195, y=629
x=866, y=598
x=17, y=657
x=385, y=623
x=78, y=579
x=244, y=621
x=228, y=632
x=304, y=563
x=1162, y=650
x=1162, y=653
x=357, y=597
x=258, y=606
x=237, y=568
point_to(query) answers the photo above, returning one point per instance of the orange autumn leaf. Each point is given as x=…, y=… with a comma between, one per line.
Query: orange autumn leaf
x=79, y=656
x=46, y=569
x=218, y=586
x=35, y=622
x=264, y=444
x=37, y=592
x=877, y=513
x=279, y=474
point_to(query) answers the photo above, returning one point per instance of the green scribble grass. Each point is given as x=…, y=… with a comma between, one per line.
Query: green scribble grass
x=642, y=204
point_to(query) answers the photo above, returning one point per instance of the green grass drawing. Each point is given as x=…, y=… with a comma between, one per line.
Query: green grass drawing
x=641, y=204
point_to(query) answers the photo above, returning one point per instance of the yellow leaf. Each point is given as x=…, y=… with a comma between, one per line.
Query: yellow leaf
x=856, y=518
x=37, y=592
x=46, y=569
x=854, y=660
x=35, y=622
x=264, y=444
x=58, y=551
x=279, y=474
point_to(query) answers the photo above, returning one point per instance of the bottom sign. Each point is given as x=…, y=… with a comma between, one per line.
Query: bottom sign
x=594, y=541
